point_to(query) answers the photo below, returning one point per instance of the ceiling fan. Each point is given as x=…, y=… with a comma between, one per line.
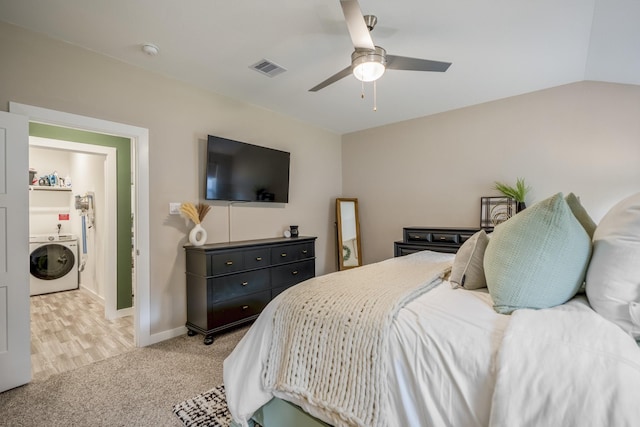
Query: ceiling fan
x=369, y=62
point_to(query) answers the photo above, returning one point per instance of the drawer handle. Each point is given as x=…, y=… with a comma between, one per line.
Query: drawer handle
x=415, y=236
x=259, y=258
x=283, y=255
x=294, y=272
x=245, y=283
x=305, y=251
x=245, y=307
x=229, y=262
x=443, y=238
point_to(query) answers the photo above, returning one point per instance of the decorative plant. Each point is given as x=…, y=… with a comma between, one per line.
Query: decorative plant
x=517, y=193
x=195, y=213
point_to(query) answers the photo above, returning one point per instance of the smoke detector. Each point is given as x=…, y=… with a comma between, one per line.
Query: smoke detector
x=150, y=49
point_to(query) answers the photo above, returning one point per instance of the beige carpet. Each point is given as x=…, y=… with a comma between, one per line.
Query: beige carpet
x=138, y=388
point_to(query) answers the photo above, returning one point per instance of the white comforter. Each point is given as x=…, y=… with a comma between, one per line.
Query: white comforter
x=566, y=366
x=449, y=347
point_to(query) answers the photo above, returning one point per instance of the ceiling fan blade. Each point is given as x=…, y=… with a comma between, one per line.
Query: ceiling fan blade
x=337, y=76
x=358, y=30
x=415, y=64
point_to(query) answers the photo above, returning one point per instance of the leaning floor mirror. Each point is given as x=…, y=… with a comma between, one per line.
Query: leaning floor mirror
x=349, y=251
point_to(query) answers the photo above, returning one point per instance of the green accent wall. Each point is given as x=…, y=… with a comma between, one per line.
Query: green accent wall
x=123, y=178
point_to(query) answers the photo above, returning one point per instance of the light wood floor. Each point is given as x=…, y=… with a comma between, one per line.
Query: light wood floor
x=68, y=330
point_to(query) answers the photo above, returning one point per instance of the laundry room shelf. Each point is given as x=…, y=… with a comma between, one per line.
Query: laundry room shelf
x=50, y=209
x=46, y=188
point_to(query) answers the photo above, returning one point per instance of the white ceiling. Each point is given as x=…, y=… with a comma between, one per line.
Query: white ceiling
x=498, y=48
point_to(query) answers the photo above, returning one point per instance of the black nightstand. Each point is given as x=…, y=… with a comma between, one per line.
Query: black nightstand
x=439, y=239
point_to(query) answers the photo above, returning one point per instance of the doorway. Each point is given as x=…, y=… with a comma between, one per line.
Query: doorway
x=74, y=200
x=140, y=159
x=98, y=172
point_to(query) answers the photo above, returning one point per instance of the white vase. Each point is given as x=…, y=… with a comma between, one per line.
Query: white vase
x=198, y=235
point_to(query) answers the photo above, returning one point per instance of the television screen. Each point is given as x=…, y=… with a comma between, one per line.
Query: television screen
x=237, y=171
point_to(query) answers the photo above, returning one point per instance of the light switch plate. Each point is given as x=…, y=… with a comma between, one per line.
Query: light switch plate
x=174, y=208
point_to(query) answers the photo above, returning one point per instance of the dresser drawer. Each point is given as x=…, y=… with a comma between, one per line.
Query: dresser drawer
x=257, y=258
x=225, y=262
x=402, y=249
x=237, y=285
x=417, y=236
x=293, y=252
x=444, y=237
x=233, y=310
x=290, y=274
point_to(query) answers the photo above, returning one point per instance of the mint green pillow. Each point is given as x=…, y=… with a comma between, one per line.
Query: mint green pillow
x=538, y=258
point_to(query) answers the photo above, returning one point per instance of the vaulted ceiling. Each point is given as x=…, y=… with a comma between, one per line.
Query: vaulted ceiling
x=498, y=48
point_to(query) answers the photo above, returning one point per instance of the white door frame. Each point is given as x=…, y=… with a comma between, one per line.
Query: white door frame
x=140, y=146
x=109, y=213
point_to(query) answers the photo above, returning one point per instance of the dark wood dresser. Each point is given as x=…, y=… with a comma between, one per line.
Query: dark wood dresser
x=230, y=283
x=437, y=239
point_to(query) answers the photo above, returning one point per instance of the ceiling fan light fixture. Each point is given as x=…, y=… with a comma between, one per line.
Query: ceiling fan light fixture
x=368, y=65
x=368, y=71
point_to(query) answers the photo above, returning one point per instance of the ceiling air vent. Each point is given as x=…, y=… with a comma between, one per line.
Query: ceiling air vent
x=268, y=68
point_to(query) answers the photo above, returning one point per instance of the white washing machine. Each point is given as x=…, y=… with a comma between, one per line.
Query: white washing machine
x=53, y=263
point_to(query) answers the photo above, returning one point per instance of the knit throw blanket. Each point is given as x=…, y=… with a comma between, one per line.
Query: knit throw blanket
x=329, y=347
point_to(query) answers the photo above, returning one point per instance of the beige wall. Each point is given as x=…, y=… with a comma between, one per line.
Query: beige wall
x=430, y=171
x=45, y=73
x=582, y=138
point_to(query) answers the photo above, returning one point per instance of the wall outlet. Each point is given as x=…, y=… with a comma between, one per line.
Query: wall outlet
x=174, y=208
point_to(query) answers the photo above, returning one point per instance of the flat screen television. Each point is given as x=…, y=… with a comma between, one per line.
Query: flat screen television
x=238, y=171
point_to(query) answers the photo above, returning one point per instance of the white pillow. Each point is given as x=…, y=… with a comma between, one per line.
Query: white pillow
x=613, y=277
x=467, y=270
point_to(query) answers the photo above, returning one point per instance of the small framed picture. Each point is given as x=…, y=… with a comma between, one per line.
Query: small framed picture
x=495, y=210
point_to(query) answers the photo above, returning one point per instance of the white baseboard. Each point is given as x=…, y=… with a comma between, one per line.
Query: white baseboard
x=125, y=312
x=166, y=335
x=92, y=293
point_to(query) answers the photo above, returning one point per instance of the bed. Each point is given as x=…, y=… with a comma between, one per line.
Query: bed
x=502, y=333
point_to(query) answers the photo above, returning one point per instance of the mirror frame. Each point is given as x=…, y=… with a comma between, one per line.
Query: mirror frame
x=339, y=241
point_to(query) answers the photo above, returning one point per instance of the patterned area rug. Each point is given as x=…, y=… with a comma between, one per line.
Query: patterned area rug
x=208, y=409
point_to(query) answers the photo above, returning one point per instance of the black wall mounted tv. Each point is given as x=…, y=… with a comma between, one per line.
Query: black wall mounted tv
x=238, y=171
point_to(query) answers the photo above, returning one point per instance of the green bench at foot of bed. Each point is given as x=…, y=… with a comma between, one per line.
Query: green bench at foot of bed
x=279, y=413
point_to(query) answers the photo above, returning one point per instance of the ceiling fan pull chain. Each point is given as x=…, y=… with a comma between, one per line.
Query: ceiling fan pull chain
x=375, y=96
x=362, y=90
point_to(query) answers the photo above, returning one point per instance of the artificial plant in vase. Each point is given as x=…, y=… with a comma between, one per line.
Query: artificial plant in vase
x=517, y=192
x=196, y=213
